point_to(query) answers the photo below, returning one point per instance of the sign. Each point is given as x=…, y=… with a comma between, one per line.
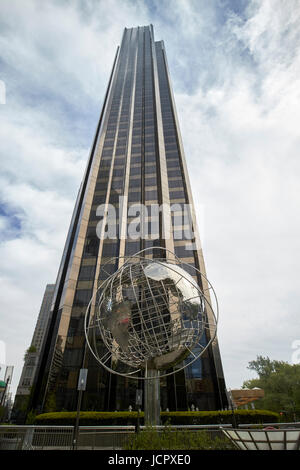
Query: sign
x=82, y=379
x=139, y=397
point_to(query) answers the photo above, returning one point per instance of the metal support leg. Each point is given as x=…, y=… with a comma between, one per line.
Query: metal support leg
x=152, y=397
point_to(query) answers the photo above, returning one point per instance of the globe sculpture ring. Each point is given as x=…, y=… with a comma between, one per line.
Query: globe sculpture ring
x=150, y=313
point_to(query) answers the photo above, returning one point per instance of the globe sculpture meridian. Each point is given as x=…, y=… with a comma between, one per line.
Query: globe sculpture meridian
x=150, y=315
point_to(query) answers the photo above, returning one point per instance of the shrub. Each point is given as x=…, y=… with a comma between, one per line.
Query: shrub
x=150, y=439
x=220, y=417
x=101, y=418
x=30, y=419
x=89, y=418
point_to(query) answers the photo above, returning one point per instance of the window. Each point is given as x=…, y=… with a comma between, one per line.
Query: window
x=189, y=268
x=170, y=146
x=173, y=173
x=100, y=186
x=117, y=184
x=177, y=194
x=182, y=234
x=136, y=149
x=82, y=297
x=120, y=150
x=173, y=163
x=132, y=248
x=150, y=157
x=114, y=197
x=110, y=250
x=151, y=181
x=25, y=382
x=134, y=196
x=135, y=159
x=119, y=161
x=122, y=133
x=31, y=361
x=150, y=195
x=150, y=147
x=86, y=273
x=107, y=153
x=91, y=246
x=106, y=270
x=150, y=169
x=175, y=183
x=135, y=170
x=184, y=251
x=118, y=172
x=28, y=372
x=135, y=183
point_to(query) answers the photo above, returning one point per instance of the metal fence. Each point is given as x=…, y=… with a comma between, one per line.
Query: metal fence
x=91, y=437
x=62, y=437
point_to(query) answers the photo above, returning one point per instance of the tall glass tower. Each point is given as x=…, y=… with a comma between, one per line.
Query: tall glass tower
x=136, y=160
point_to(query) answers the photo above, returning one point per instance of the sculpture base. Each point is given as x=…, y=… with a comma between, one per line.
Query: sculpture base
x=152, y=397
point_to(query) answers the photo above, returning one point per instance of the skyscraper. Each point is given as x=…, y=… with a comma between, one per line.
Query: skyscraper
x=33, y=353
x=135, y=194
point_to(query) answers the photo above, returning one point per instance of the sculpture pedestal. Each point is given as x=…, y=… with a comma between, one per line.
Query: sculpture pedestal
x=152, y=397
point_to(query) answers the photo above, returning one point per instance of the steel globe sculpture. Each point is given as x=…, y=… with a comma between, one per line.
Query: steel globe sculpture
x=150, y=315
x=151, y=312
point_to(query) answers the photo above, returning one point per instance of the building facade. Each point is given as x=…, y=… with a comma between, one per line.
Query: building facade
x=136, y=161
x=32, y=355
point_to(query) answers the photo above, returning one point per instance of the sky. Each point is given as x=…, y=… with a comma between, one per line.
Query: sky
x=235, y=70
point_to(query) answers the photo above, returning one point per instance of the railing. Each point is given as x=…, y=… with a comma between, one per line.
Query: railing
x=61, y=437
x=264, y=439
x=94, y=437
x=89, y=437
x=103, y=437
x=35, y=437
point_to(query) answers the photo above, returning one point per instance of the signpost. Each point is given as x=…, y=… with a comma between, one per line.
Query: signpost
x=138, y=402
x=81, y=388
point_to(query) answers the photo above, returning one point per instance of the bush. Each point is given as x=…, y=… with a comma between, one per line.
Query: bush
x=89, y=418
x=150, y=439
x=30, y=419
x=122, y=418
x=220, y=417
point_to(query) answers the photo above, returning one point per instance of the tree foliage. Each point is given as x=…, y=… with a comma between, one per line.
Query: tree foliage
x=31, y=349
x=281, y=383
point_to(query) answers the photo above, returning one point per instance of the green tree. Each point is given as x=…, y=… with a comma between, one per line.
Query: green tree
x=264, y=366
x=31, y=349
x=281, y=383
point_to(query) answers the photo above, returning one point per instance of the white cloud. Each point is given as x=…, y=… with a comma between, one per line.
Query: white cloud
x=57, y=59
x=242, y=144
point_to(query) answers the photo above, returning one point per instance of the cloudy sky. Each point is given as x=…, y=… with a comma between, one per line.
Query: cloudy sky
x=235, y=67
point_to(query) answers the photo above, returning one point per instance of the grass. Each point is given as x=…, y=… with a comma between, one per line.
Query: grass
x=150, y=439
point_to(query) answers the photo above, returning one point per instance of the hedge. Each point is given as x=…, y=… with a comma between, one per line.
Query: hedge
x=89, y=418
x=102, y=418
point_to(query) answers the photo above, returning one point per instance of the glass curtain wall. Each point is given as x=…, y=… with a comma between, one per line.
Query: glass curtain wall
x=131, y=163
